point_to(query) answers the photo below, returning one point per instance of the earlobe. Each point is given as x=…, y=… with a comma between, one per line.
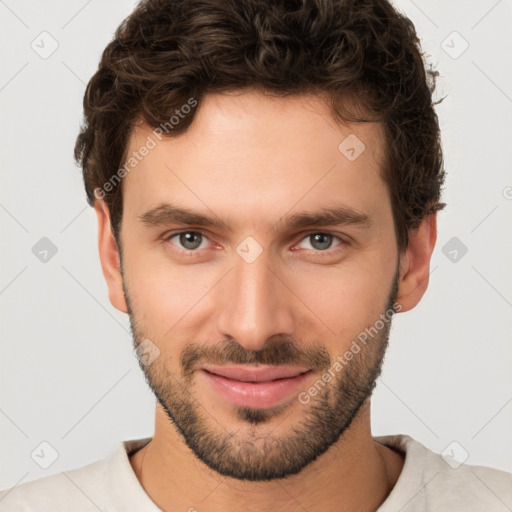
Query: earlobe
x=109, y=257
x=415, y=263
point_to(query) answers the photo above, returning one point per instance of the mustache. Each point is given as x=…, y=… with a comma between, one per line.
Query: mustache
x=276, y=351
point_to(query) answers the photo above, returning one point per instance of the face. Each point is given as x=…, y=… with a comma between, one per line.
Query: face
x=273, y=279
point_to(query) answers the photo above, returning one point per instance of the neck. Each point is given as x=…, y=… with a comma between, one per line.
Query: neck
x=354, y=473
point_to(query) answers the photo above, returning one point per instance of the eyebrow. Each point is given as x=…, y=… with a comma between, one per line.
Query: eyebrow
x=167, y=213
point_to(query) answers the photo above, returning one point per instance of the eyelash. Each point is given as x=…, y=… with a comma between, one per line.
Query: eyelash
x=330, y=251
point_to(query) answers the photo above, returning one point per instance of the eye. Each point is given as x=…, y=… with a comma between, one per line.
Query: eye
x=321, y=241
x=189, y=240
x=192, y=241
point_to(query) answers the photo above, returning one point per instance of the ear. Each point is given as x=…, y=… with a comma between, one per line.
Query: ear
x=109, y=257
x=415, y=263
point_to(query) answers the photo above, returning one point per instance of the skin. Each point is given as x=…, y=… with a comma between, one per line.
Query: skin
x=252, y=159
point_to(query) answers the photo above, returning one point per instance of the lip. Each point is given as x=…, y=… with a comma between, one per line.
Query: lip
x=255, y=387
x=262, y=373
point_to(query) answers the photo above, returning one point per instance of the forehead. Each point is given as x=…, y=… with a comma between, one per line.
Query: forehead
x=256, y=154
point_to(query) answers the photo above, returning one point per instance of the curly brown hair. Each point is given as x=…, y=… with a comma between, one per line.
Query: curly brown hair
x=168, y=52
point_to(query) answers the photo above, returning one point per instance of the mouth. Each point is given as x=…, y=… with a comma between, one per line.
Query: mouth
x=256, y=387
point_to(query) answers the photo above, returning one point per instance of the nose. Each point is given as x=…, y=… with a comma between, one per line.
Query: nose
x=254, y=302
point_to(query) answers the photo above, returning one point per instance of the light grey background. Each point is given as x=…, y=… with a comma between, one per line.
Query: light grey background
x=68, y=373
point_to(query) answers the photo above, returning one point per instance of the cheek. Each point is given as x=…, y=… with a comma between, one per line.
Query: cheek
x=163, y=293
x=347, y=299
x=341, y=300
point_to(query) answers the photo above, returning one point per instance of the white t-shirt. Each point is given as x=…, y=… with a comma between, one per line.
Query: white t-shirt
x=427, y=482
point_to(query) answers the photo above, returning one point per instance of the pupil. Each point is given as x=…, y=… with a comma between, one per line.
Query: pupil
x=325, y=244
x=186, y=239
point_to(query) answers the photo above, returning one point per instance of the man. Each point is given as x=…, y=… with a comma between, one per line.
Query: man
x=266, y=177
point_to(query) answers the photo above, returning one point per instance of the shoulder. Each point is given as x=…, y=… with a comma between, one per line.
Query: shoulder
x=430, y=481
x=56, y=492
x=96, y=486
